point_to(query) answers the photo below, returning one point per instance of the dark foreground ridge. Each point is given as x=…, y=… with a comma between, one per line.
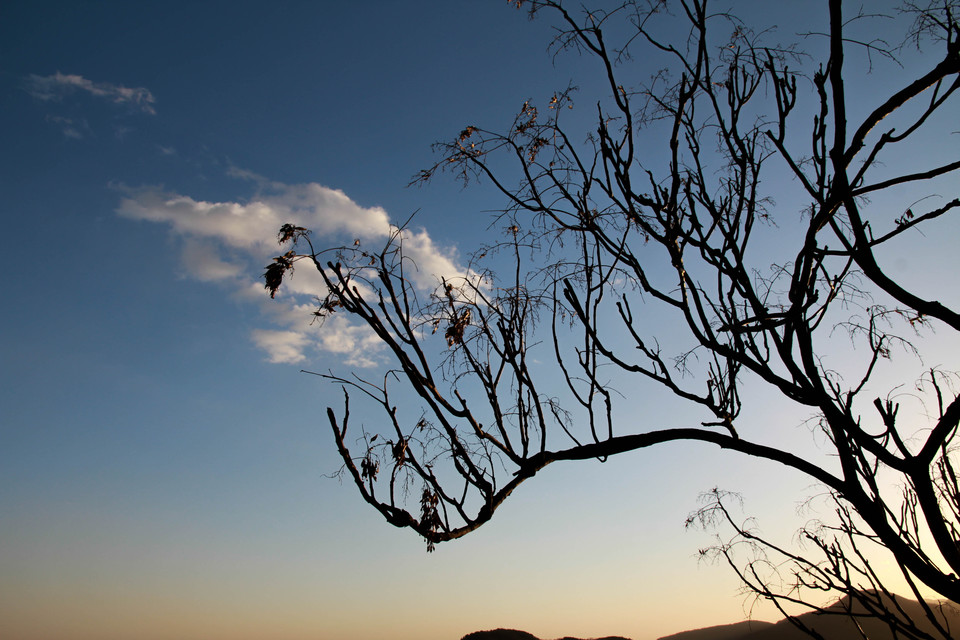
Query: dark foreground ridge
x=513, y=634
x=832, y=625
x=735, y=631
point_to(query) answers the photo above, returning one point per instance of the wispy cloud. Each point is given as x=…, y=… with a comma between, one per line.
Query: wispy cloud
x=55, y=87
x=231, y=242
x=76, y=129
x=282, y=347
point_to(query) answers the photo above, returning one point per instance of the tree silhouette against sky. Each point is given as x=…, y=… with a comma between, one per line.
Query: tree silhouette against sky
x=713, y=232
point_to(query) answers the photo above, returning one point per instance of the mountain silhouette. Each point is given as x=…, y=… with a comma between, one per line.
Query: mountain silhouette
x=500, y=634
x=513, y=634
x=735, y=631
x=834, y=623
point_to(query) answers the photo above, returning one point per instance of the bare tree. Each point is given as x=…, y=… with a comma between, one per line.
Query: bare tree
x=664, y=212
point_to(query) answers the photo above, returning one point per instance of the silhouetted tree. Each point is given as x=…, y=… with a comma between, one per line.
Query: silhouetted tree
x=743, y=198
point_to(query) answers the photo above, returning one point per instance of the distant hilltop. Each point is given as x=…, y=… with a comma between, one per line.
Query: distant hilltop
x=832, y=625
x=513, y=634
x=737, y=631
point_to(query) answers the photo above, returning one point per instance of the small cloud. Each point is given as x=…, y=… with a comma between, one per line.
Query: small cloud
x=259, y=180
x=282, y=347
x=204, y=262
x=231, y=242
x=70, y=128
x=355, y=343
x=55, y=87
x=166, y=151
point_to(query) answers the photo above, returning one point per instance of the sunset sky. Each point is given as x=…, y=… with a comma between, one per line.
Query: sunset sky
x=164, y=464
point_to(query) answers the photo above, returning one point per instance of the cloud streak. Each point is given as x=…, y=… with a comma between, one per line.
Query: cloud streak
x=229, y=243
x=71, y=128
x=55, y=87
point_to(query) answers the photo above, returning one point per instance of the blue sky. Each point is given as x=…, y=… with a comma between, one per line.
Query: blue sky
x=164, y=463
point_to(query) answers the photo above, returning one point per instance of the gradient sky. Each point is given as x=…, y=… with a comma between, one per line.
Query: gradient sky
x=163, y=462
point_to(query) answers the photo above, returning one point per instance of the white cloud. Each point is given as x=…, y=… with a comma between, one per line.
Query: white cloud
x=202, y=260
x=70, y=127
x=282, y=347
x=356, y=344
x=231, y=242
x=58, y=85
x=251, y=226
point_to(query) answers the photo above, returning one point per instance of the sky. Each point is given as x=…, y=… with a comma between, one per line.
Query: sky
x=166, y=468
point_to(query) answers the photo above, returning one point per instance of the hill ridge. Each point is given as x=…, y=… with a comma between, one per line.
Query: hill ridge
x=831, y=623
